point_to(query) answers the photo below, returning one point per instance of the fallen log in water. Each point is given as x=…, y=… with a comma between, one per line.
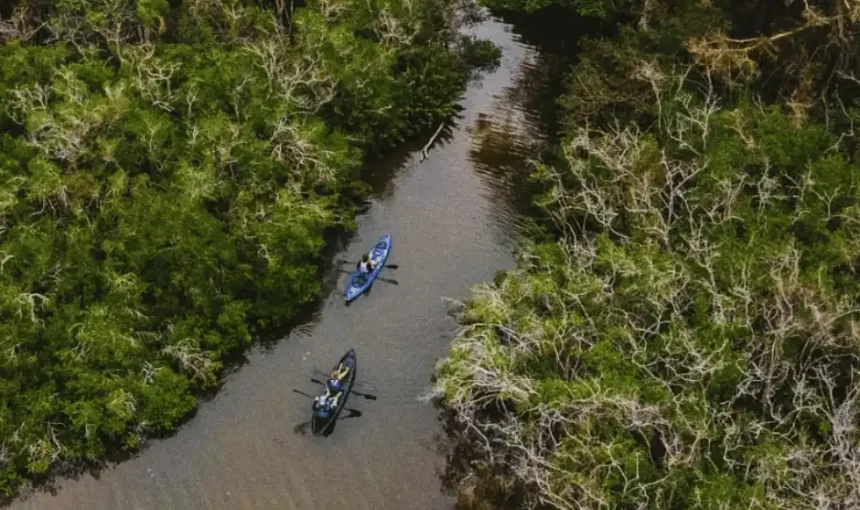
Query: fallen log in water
x=424, y=154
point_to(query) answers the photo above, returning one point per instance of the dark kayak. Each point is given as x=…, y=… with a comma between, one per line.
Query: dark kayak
x=321, y=420
x=358, y=281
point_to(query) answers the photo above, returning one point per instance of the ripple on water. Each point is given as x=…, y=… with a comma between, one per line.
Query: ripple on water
x=509, y=136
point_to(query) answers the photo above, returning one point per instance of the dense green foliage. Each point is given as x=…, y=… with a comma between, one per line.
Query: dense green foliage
x=167, y=173
x=689, y=338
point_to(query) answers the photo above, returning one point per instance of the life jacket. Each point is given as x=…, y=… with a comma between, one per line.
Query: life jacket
x=321, y=405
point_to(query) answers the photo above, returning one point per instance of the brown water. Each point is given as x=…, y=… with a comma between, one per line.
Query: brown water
x=453, y=221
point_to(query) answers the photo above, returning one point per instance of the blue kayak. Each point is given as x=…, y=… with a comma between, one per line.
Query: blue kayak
x=358, y=281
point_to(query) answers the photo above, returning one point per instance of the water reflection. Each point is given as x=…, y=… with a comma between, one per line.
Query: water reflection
x=380, y=172
x=522, y=125
x=510, y=135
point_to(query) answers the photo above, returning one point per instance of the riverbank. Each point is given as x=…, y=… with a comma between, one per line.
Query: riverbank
x=684, y=333
x=453, y=226
x=169, y=178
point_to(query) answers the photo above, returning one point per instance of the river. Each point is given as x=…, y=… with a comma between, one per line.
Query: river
x=454, y=223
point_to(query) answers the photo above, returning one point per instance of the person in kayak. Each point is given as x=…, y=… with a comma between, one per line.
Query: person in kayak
x=340, y=372
x=334, y=388
x=365, y=265
x=322, y=402
x=332, y=395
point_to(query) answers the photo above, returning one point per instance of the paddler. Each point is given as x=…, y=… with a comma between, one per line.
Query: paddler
x=332, y=394
x=321, y=402
x=339, y=372
x=334, y=389
x=365, y=265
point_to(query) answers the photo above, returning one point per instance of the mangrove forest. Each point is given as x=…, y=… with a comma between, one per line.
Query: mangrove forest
x=169, y=172
x=682, y=328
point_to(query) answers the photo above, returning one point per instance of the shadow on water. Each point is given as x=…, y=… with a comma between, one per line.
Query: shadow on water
x=519, y=129
x=523, y=125
x=302, y=428
x=380, y=171
x=557, y=34
x=353, y=413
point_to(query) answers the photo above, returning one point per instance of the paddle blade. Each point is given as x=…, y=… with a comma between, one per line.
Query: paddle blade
x=353, y=413
x=368, y=396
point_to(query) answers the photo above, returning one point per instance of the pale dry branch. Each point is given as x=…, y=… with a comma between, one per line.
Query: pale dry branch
x=18, y=27
x=194, y=361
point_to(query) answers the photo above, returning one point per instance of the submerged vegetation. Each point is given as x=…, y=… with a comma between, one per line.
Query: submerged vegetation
x=685, y=333
x=167, y=173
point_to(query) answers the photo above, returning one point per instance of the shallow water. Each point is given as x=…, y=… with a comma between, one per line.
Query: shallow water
x=454, y=224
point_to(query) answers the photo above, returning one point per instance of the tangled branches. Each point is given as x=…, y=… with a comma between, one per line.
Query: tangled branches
x=192, y=360
x=689, y=342
x=821, y=39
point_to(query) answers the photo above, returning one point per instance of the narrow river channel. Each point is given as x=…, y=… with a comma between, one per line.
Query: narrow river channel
x=453, y=221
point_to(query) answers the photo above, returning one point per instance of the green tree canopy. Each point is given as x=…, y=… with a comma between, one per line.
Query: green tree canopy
x=167, y=173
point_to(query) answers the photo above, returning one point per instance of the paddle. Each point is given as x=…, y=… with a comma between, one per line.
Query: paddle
x=360, y=394
x=389, y=266
x=302, y=427
x=353, y=413
x=386, y=280
x=326, y=374
x=300, y=392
